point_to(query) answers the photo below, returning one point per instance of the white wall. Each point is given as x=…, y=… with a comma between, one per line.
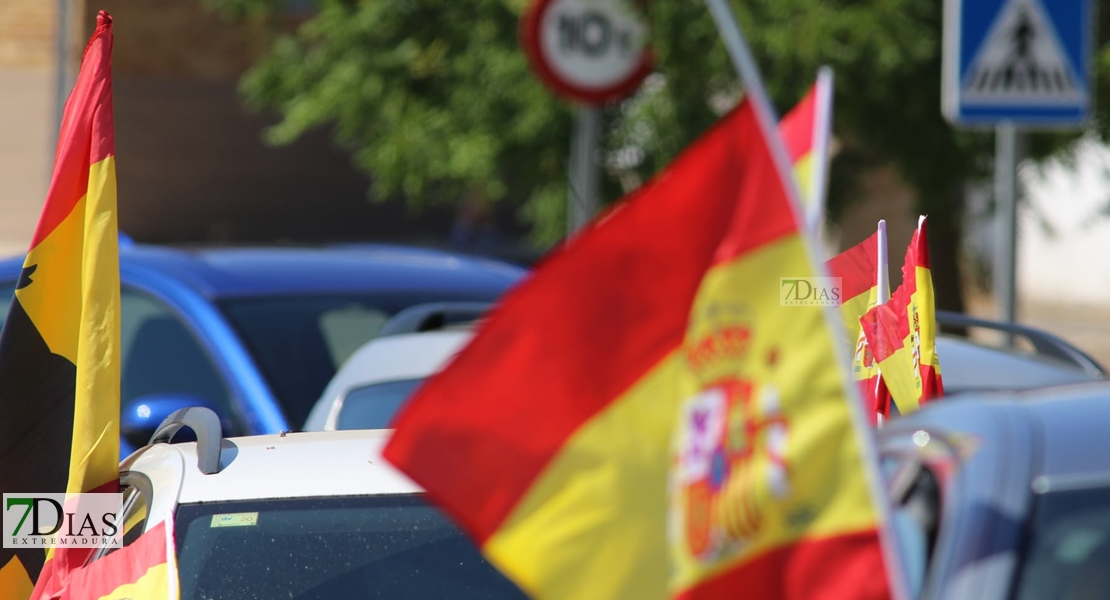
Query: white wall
x=1072, y=266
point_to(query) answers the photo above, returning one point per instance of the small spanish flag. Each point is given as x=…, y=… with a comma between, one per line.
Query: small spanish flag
x=59, y=349
x=805, y=132
x=548, y=438
x=902, y=333
x=862, y=269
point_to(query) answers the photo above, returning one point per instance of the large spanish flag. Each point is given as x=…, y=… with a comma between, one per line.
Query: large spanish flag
x=548, y=437
x=902, y=333
x=859, y=269
x=59, y=350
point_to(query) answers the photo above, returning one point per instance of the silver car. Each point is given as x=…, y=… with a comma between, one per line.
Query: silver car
x=1004, y=495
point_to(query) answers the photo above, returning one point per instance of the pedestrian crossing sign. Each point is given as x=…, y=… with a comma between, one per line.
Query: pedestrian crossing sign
x=1022, y=61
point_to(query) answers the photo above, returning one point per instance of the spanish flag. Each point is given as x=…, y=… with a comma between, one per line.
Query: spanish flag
x=902, y=333
x=862, y=270
x=145, y=569
x=805, y=132
x=548, y=437
x=59, y=349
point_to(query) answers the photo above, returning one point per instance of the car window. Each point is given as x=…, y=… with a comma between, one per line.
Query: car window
x=7, y=292
x=1067, y=556
x=373, y=406
x=299, y=342
x=915, y=499
x=347, y=328
x=161, y=356
x=325, y=548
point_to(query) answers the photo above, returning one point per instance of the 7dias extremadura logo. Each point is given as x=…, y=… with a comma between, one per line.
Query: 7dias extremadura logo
x=55, y=521
x=810, y=291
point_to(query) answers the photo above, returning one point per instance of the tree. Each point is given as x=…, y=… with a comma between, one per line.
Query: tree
x=435, y=100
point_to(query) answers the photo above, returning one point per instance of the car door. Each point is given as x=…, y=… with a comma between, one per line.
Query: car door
x=165, y=367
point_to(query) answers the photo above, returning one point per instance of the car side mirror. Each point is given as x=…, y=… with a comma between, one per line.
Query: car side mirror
x=141, y=416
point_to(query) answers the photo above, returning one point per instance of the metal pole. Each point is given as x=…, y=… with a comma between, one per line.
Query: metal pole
x=62, y=78
x=1005, y=198
x=582, y=199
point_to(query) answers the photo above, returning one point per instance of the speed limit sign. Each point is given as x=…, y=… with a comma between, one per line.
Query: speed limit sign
x=589, y=50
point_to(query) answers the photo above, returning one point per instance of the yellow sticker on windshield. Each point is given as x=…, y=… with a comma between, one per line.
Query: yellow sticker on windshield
x=235, y=520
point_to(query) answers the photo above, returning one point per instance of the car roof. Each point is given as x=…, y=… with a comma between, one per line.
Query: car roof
x=1072, y=424
x=292, y=465
x=968, y=366
x=392, y=358
x=263, y=271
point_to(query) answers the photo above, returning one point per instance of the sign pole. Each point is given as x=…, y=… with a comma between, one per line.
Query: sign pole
x=1005, y=198
x=585, y=174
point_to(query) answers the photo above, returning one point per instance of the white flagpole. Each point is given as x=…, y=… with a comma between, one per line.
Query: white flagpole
x=748, y=71
x=819, y=168
x=882, y=288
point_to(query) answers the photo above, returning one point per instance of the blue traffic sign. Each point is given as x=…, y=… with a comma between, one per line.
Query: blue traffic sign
x=1022, y=61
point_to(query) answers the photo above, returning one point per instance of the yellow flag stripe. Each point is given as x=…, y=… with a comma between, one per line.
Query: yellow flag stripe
x=803, y=174
x=155, y=583
x=95, y=452
x=615, y=461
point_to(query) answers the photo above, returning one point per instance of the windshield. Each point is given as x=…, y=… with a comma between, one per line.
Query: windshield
x=373, y=406
x=299, y=342
x=1068, y=552
x=327, y=548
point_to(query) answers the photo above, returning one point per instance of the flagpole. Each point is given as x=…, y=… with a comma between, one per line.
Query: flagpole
x=748, y=70
x=822, y=131
x=882, y=289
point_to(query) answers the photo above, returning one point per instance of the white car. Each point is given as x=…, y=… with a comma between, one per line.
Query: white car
x=373, y=383
x=302, y=516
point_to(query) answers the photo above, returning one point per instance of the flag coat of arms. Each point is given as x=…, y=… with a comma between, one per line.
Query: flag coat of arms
x=902, y=333
x=59, y=349
x=549, y=437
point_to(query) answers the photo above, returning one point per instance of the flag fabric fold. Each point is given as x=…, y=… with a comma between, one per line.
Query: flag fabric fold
x=902, y=332
x=59, y=349
x=548, y=438
x=146, y=568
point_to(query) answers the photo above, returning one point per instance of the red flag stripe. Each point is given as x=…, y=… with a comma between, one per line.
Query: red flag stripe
x=797, y=127
x=77, y=147
x=856, y=267
x=804, y=571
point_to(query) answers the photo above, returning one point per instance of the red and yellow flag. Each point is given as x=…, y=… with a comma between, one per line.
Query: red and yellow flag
x=858, y=269
x=798, y=129
x=144, y=569
x=548, y=438
x=805, y=132
x=59, y=350
x=902, y=333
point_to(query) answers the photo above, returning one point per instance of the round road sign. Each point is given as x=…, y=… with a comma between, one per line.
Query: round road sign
x=590, y=50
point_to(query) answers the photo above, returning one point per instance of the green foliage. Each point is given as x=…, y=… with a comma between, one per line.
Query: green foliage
x=435, y=100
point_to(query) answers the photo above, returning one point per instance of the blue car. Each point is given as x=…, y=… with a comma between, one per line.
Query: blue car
x=256, y=333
